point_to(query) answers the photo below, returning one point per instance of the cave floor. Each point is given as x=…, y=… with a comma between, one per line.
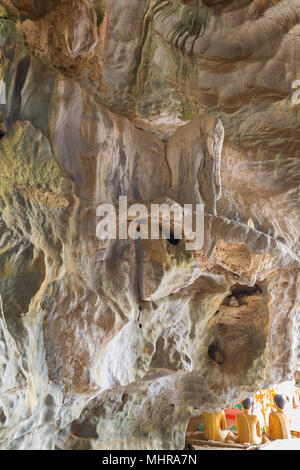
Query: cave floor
x=284, y=444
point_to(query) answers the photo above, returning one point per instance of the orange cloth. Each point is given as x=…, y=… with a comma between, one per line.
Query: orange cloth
x=278, y=426
x=248, y=428
x=214, y=424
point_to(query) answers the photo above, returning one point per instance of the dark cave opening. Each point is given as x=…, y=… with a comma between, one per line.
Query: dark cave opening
x=240, y=290
x=214, y=354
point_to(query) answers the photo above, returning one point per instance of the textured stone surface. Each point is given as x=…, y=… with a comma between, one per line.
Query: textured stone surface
x=104, y=344
x=34, y=8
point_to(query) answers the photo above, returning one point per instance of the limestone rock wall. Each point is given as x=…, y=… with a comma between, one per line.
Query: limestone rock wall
x=105, y=344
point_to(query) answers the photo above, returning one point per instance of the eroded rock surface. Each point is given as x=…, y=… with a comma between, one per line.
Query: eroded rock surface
x=111, y=344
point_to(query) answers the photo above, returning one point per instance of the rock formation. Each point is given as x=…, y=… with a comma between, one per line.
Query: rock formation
x=104, y=344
